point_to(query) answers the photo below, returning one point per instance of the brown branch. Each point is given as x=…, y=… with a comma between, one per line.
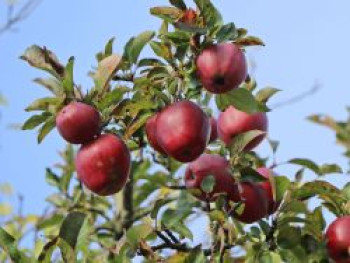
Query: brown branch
x=23, y=13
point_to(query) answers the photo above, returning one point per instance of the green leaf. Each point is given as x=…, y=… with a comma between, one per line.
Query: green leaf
x=5, y=209
x=109, y=47
x=150, y=62
x=315, y=224
x=208, y=184
x=51, y=221
x=269, y=257
x=169, y=14
x=3, y=100
x=240, y=141
x=161, y=50
x=43, y=59
x=226, y=33
x=241, y=99
x=36, y=120
x=52, y=84
x=249, y=41
x=68, y=80
x=44, y=104
x=46, y=128
x=179, y=4
x=71, y=227
x=8, y=244
x=105, y=71
x=182, y=230
x=282, y=184
x=330, y=168
x=67, y=252
x=157, y=206
x=307, y=164
x=6, y=189
x=265, y=94
x=136, y=124
x=274, y=145
x=346, y=191
x=136, y=233
x=46, y=253
x=250, y=174
x=196, y=256
x=190, y=28
x=137, y=44
x=113, y=97
x=288, y=237
x=211, y=15
x=52, y=178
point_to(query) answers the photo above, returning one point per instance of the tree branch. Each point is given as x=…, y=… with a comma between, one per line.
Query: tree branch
x=23, y=13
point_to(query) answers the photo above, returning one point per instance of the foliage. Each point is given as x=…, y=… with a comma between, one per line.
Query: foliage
x=151, y=216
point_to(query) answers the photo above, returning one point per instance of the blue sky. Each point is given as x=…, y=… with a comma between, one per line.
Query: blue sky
x=306, y=42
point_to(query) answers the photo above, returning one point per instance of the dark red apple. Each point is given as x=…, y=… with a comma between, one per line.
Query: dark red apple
x=209, y=165
x=78, y=123
x=214, y=129
x=338, y=240
x=254, y=200
x=266, y=186
x=103, y=165
x=232, y=122
x=221, y=67
x=151, y=132
x=183, y=130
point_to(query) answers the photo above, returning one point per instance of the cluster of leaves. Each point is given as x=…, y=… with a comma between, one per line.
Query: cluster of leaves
x=151, y=216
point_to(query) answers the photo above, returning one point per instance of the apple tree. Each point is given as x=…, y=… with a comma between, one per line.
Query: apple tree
x=148, y=158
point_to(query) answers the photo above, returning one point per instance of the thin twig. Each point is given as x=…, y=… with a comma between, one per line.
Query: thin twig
x=316, y=87
x=23, y=13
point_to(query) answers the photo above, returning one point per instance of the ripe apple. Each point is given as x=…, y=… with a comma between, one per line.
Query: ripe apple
x=151, y=132
x=214, y=129
x=221, y=67
x=183, y=130
x=266, y=186
x=338, y=240
x=254, y=200
x=78, y=123
x=209, y=165
x=232, y=122
x=103, y=165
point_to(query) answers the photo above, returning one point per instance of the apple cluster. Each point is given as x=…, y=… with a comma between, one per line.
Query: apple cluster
x=103, y=161
x=182, y=130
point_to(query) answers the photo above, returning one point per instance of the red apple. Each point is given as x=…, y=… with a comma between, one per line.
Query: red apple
x=232, y=122
x=103, y=165
x=183, y=131
x=209, y=165
x=221, y=67
x=214, y=129
x=338, y=240
x=266, y=186
x=151, y=132
x=78, y=123
x=254, y=200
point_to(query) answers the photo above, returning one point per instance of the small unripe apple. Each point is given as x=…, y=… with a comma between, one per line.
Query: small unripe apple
x=221, y=67
x=209, y=165
x=214, y=129
x=338, y=239
x=183, y=130
x=103, y=165
x=78, y=123
x=151, y=132
x=267, y=187
x=232, y=122
x=254, y=200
